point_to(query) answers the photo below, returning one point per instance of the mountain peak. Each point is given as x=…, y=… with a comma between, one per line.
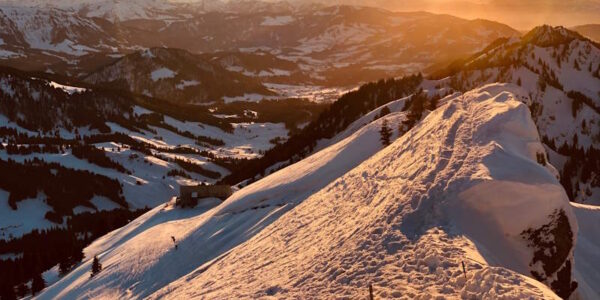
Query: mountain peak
x=547, y=35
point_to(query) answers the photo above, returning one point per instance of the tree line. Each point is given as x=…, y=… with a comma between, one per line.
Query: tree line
x=62, y=245
x=331, y=121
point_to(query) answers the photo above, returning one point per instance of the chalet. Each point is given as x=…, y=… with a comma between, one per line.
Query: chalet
x=190, y=194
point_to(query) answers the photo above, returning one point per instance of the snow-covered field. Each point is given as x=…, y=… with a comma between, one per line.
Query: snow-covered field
x=277, y=21
x=312, y=93
x=148, y=185
x=162, y=73
x=404, y=219
x=66, y=88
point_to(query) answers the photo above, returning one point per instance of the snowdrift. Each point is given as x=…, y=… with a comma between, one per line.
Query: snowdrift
x=462, y=187
x=587, y=252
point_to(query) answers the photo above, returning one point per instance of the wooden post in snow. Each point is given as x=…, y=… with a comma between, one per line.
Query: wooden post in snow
x=371, y=292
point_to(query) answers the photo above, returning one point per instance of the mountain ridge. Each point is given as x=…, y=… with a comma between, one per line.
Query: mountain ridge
x=498, y=108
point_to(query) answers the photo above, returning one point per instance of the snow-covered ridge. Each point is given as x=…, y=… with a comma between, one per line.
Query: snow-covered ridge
x=328, y=47
x=404, y=220
x=113, y=10
x=587, y=252
x=559, y=72
x=547, y=35
x=176, y=75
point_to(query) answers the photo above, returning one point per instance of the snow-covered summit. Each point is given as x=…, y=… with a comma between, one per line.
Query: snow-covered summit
x=547, y=35
x=113, y=10
x=559, y=70
x=462, y=187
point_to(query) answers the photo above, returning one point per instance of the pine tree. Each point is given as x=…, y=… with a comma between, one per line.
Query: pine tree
x=7, y=291
x=542, y=83
x=96, y=267
x=37, y=284
x=384, y=112
x=541, y=158
x=63, y=268
x=386, y=133
x=22, y=290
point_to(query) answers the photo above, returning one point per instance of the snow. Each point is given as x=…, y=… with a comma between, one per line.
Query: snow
x=277, y=21
x=162, y=73
x=335, y=36
x=12, y=256
x=318, y=94
x=4, y=122
x=114, y=11
x=404, y=219
x=246, y=141
x=554, y=118
x=587, y=250
x=66, y=46
x=127, y=10
x=139, y=111
x=326, y=166
x=246, y=97
x=66, y=88
x=6, y=87
x=9, y=54
x=147, y=53
x=29, y=215
x=187, y=83
x=273, y=72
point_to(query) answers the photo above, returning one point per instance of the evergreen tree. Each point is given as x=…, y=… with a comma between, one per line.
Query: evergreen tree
x=63, y=268
x=542, y=83
x=386, y=133
x=96, y=267
x=7, y=292
x=37, y=284
x=22, y=290
x=384, y=112
x=541, y=158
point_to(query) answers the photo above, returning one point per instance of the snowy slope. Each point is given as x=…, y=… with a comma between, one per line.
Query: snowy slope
x=210, y=235
x=174, y=75
x=146, y=177
x=403, y=220
x=113, y=10
x=587, y=252
x=550, y=64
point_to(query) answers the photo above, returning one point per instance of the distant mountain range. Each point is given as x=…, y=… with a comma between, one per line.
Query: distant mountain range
x=312, y=45
x=523, y=15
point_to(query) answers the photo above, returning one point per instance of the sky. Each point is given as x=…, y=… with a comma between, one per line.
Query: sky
x=520, y=14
